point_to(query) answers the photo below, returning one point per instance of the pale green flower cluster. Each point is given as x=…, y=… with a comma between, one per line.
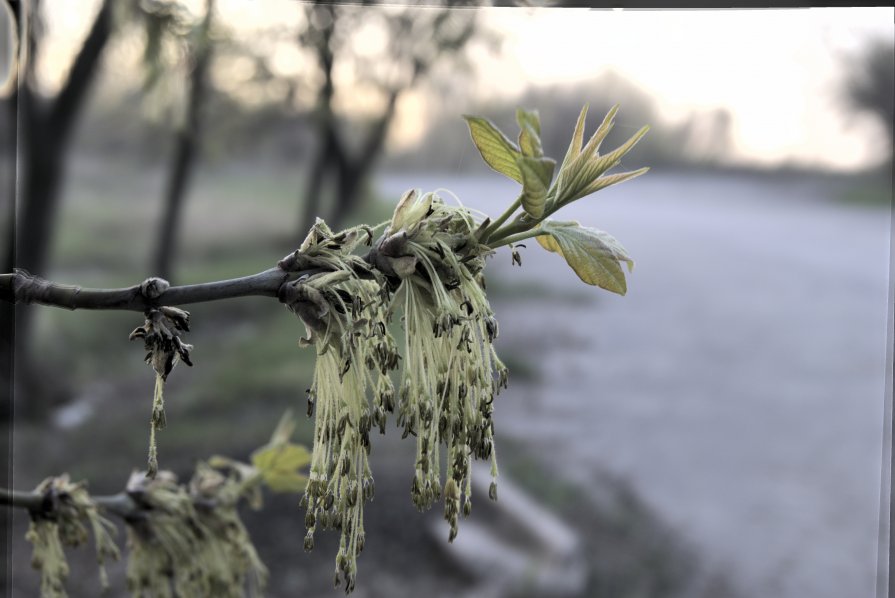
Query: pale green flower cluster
x=451, y=373
x=191, y=540
x=184, y=540
x=346, y=317
x=63, y=525
x=429, y=265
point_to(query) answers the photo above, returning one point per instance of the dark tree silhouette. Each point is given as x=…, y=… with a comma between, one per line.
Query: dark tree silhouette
x=417, y=41
x=44, y=130
x=187, y=146
x=870, y=84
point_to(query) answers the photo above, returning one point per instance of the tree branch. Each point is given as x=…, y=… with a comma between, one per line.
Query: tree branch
x=121, y=504
x=22, y=287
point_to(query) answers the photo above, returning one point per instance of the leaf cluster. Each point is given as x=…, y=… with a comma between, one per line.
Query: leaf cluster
x=593, y=254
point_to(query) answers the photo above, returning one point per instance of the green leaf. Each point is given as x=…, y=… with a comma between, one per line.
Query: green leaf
x=497, y=151
x=584, y=175
x=279, y=465
x=600, y=165
x=594, y=255
x=613, y=179
x=599, y=135
x=577, y=141
x=536, y=176
x=285, y=427
x=529, y=133
x=573, y=176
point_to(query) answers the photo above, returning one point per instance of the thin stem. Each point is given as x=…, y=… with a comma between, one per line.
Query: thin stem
x=513, y=228
x=381, y=225
x=515, y=238
x=500, y=220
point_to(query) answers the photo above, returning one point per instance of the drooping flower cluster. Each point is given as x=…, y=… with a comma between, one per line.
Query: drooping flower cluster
x=184, y=539
x=451, y=372
x=346, y=317
x=63, y=525
x=428, y=264
x=191, y=540
x=161, y=338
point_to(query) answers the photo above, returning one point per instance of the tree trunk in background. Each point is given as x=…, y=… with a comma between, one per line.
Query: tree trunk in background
x=338, y=167
x=330, y=153
x=44, y=132
x=47, y=131
x=355, y=172
x=317, y=174
x=185, y=155
x=8, y=139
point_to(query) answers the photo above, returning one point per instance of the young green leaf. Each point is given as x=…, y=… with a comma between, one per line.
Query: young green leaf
x=572, y=176
x=497, y=151
x=529, y=133
x=577, y=141
x=285, y=427
x=594, y=255
x=593, y=144
x=584, y=174
x=536, y=176
x=613, y=179
x=279, y=465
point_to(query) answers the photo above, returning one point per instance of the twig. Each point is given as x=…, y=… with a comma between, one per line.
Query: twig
x=120, y=504
x=22, y=287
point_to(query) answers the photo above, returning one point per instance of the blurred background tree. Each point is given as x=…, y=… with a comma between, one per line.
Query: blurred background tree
x=10, y=25
x=412, y=43
x=172, y=22
x=43, y=132
x=870, y=85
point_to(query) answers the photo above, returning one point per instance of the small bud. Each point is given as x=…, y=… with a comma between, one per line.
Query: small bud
x=152, y=288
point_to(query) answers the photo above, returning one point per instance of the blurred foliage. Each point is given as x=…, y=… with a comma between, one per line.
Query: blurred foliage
x=869, y=86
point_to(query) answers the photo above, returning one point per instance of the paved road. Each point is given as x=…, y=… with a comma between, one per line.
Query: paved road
x=739, y=385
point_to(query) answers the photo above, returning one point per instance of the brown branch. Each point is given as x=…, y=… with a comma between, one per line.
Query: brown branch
x=120, y=504
x=22, y=287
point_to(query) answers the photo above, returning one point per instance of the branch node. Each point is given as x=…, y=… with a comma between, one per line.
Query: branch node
x=152, y=288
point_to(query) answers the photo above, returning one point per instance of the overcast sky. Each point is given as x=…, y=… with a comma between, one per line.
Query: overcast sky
x=778, y=72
